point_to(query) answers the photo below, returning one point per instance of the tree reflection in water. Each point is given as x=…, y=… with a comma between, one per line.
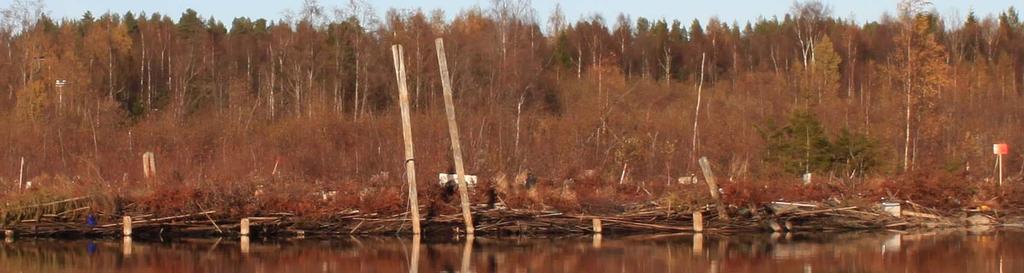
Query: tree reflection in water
x=940, y=251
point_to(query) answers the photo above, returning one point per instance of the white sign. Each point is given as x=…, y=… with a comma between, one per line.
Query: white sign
x=444, y=178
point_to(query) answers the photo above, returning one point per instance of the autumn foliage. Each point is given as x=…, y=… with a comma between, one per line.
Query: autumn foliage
x=300, y=114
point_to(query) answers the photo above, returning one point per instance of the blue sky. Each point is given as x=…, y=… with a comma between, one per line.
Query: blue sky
x=684, y=10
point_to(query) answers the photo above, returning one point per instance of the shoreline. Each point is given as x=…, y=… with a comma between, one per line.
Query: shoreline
x=500, y=221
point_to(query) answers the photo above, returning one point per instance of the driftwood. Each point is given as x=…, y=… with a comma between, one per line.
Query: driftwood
x=492, y=220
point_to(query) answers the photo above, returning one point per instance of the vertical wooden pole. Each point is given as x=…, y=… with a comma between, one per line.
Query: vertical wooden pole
x=698, y=222
x=21, y=175
x=149, y=165
x=709, y=177
x=597, y=225
x=398, y=55
x=243, y=227
x=453, y=130
x=126, y=221
x=1000, y=170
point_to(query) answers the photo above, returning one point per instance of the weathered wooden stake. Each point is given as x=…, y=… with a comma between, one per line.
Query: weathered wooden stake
x=1000, y=170
x=126, y=221
x=149, y=165
x=398, y=54
x=243, y=227
x=709, y=177
x=9, y=234
x=453, y=130
x=698, y=222
x=21, y=175
x=597, y=225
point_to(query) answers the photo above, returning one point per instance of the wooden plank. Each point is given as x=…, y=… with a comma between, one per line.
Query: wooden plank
x=453, y=130
x=709, y=177
x=397, y=55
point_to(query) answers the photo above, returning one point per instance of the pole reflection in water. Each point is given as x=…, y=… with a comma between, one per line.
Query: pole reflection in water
x=414, y=261
x=126, y=246
x=467, y=254
x=698, y=244
x=244, y=244
x=941, y=252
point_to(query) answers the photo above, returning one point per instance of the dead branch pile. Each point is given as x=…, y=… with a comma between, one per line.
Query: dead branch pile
x=66, y=218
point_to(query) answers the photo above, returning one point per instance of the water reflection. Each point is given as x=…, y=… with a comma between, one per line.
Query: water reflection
x=947, y=251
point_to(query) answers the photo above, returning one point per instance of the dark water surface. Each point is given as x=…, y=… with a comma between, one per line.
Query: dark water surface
x=940, y=251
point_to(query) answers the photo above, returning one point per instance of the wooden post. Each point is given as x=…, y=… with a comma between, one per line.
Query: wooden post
x=21, y=175
x=145, y=165
x=126, y=221
x=243, y=227
x=148, y=165
x=698, y=222
x=597, y=225
x=1000, y=170
x=9, y=234
x=709, y=177
x=453, y=130
x=410, y=165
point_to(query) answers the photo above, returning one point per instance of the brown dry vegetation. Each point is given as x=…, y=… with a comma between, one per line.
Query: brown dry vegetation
x=573, y=106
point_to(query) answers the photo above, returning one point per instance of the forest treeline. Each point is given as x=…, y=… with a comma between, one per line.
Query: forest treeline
x=312, y=96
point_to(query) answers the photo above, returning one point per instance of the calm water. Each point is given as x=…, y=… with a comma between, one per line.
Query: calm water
x=947, y=251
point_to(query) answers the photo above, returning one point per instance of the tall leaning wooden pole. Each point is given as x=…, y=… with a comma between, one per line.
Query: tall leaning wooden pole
x=410, y=164
x=453, y=130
